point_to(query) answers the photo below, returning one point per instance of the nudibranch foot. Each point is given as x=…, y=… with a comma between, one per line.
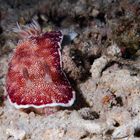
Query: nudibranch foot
x=41, y=111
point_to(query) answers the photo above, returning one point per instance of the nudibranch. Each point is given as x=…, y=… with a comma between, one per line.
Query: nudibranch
x=35, y=77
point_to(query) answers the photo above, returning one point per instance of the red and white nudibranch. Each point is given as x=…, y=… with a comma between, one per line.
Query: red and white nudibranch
x=35, y=77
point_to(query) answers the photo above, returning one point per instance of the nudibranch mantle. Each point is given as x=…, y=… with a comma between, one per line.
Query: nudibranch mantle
x=35, y=77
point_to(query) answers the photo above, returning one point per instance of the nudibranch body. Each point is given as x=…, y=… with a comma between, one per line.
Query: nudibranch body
x=35, y=77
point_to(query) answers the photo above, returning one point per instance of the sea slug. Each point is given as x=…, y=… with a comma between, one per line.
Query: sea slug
x=35, y=77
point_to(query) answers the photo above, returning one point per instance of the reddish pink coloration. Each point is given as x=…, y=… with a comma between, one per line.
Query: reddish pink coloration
x=35, y=77
x=123, y=51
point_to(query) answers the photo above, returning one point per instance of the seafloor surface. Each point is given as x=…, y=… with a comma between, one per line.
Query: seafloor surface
x=101, y=57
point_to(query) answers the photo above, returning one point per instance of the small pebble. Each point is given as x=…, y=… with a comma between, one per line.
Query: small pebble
x=16, y=133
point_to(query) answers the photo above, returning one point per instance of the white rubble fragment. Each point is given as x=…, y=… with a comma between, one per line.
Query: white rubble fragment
x=91, y=126
x=88, y=125
x=16, y=133
x=118, y=115
x=134, y=104
x=54, y=134
x=74, y=133
x=123, y=131
x=113, y=50
x=121, y=80
x=94, y=12
x=98, y=65
x=126, y=130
